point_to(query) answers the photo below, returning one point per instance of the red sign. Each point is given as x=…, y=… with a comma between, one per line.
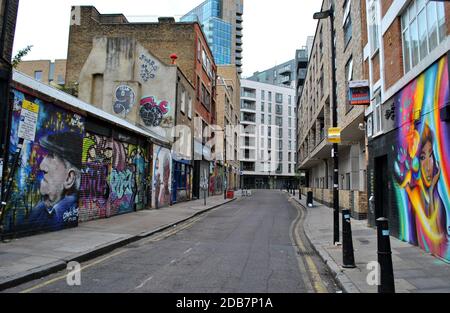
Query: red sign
x=359, y=93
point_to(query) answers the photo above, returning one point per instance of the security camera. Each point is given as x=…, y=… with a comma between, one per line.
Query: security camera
x=362, y=126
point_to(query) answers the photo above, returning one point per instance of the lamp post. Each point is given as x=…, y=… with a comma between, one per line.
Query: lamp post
x=318, y=16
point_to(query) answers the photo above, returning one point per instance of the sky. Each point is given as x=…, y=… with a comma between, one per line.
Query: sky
x=272, y=30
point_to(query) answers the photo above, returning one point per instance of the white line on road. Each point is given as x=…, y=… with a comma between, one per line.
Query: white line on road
x=144, y=282
x=187, y=251
x=173, y=261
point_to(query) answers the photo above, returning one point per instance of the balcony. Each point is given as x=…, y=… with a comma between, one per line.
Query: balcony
x=239, y=26
x=285, y=79
x=301, y=74
x=247, y=117
x=238, y=64
x=248, y=105
x=239, y=18
x=285, y=69
x=239, y=56
x=238, y=48
x=238, y=42
x=248, y=166
x=239, y=33
x=249, y=93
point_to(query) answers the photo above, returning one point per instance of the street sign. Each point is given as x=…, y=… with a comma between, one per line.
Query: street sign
x=334, y=135
x=359, y=92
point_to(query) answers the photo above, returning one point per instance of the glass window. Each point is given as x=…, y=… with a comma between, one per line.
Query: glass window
x=377, y=112
x=423, y=29
x=270, y=96
x=373, y=26
x=348, y=29
x=183, y=100
x=190, y=107
x=262, y=118
x=38, y=75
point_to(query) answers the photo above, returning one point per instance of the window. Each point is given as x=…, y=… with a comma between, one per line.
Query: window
x=183, y=100
x=279, y=109
x=263, y=95
x=278, y=98
x=279, y=121
x=270, y=108
x=262, y=118
x=262, y=107
x=289, y=100
x=349, y=77
x=38, y=75
x=270, y=119
x=422, y=30
x=290, y=122
x=290, y=168
x=347, y=30
x=190, y=107
x=280, y=145
x=377, y=112
x=373, y=26
x=270, y=96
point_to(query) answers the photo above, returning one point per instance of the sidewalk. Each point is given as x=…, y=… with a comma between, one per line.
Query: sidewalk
x=414, y=269
x=32, y=257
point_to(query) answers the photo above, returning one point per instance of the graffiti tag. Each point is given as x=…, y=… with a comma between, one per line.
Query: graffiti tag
x=122, y=183
x=152, y=112
x=148, y=68
x=125, y=98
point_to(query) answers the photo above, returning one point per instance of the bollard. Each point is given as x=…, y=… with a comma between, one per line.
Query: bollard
x=294, y=192
x=299, y=194
x=386, y=284
x=348, y=256
x=309, y=198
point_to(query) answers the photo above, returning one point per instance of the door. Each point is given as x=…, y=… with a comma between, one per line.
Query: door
x=381, y=187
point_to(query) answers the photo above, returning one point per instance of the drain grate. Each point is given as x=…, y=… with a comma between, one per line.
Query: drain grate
x=306, y=253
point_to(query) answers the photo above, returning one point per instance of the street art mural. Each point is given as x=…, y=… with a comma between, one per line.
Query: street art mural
x=422, y=166
x=162, y=177
x=155, y=113
x=216, y=180
x=96, y=166
x=47, y=178
x=124, y=100
x=148, y=68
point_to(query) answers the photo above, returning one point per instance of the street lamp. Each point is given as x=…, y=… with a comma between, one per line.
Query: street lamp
x=318, y=16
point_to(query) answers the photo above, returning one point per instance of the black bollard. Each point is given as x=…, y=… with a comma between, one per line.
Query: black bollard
x=299, y=194
x=294, y=191
x=387, y=284
x=348, y=256
x=309, y=198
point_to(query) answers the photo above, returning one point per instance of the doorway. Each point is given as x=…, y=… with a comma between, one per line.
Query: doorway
x=381, y=187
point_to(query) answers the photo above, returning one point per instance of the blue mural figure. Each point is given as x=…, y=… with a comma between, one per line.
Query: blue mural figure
x=61, y=177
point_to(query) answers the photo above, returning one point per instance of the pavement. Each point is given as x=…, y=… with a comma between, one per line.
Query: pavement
x=415, y=271
x=28, y=258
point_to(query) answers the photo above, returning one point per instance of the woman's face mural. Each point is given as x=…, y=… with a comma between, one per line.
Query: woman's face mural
x=422, y=164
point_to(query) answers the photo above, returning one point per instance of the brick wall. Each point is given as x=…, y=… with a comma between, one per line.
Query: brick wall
x=376, y=67
x=385, y=5
x=30, y=67
x=393, y=59
x=11, y=15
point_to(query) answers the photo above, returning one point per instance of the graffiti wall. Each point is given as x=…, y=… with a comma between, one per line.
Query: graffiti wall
x=216, y=180
x=162, y=177
x=96, y=166
x=422, y=162
x=47, y=178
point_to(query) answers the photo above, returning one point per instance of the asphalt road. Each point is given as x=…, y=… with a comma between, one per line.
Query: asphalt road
x=254, y=244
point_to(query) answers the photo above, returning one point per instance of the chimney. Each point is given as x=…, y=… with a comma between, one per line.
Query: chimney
x=166, y=20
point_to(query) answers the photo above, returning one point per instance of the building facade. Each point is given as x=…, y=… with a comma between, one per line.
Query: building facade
x=315, y=111
x=221, y=21
x=163, y=39
x=407, y=55
x=282, y=75
x=228, y=118
x=45, y=71
x=268, y=140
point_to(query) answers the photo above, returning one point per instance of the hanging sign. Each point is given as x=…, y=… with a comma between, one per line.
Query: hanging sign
x=28, y=120
x=334, y=135
x=359, y=92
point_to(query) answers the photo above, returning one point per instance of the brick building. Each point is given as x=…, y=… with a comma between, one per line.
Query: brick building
x=315, y=111
x=228, y=118
x=406, y=54
x=162, y=39
x=45, y=71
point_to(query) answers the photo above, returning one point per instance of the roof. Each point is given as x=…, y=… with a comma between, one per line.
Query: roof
x=74, y=102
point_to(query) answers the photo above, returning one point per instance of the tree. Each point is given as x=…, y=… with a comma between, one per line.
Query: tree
x=19, y=56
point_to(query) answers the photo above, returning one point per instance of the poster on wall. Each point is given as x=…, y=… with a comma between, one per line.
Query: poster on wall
x=46, y=186
x=162, y=177
x=422, y=161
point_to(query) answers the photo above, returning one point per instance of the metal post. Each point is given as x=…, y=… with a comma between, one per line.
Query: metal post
x=386, y=284
x=335, y=145
x=348, y=257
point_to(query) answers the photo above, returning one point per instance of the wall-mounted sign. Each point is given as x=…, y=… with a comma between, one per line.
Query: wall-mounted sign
x=359, y=92
x=334, y=134
x=28, y=120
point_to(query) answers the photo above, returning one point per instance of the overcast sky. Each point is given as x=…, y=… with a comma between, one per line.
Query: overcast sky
x=272, y=29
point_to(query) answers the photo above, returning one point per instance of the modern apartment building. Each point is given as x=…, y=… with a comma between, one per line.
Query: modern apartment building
x=221, y=21
x=408, y=122
x=281, y=75
x=268, y=139
x=45, y=71
x=315, y=111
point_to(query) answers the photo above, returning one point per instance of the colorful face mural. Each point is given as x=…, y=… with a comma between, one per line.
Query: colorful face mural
x=162, y=180
x=47, y=179
x=422, y=166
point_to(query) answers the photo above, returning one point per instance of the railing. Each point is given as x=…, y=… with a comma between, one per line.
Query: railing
x=248, y=106
x=249, y=95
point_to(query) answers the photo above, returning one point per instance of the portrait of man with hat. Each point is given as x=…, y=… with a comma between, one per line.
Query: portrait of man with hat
x=60, y=183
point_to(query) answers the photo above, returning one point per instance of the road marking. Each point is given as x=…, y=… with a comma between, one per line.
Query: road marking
x=187, y=251
x=315, y=276
x=173, y=261
x=144, y=282
x=51, y=281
